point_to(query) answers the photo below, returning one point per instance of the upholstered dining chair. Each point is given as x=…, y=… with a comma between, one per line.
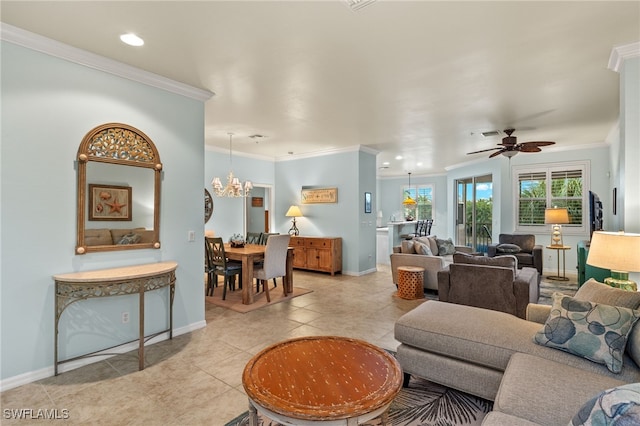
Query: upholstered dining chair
x=275, y=262
x=220, y=265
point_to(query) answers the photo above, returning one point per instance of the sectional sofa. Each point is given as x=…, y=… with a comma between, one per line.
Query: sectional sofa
x=521, y=364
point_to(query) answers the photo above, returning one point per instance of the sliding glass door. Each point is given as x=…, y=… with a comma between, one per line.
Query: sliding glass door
x=474, y=212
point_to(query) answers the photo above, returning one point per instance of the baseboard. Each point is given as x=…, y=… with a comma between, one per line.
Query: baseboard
x=43, y=373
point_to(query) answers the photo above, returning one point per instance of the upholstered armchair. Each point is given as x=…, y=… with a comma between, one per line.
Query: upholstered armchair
x=527, y=252
x=489, y=283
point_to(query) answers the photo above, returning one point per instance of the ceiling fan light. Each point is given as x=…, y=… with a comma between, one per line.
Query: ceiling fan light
x=509, y=153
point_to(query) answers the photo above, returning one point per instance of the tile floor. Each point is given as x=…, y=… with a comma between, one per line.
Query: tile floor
x=195, y=378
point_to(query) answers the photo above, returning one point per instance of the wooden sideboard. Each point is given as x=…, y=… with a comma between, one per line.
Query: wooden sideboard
x=138, y=279
x=323, y=254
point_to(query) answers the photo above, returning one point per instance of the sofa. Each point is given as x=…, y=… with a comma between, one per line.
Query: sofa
x=411, y=252
x=515, y=362
x=105, y=236
x=489, y=282
x=522, y=246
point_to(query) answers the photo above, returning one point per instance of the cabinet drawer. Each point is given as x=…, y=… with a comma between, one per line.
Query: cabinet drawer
x=296, y=242
x=317, y=242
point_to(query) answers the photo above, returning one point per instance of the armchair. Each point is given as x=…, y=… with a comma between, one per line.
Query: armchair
x=489, y=283
x=530, y=254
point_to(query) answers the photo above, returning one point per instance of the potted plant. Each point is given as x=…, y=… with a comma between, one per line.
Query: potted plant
x=236, y=240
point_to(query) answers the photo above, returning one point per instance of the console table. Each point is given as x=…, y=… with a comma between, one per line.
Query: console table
x=138, y=279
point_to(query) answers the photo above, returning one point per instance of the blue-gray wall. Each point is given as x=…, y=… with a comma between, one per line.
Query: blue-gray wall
x=48, y=105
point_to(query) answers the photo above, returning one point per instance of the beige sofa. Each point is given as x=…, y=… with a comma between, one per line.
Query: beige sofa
x=493, y=355
x=406, y=255
x=105, y=236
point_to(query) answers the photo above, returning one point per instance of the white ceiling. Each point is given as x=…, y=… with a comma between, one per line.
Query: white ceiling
x=420, y=79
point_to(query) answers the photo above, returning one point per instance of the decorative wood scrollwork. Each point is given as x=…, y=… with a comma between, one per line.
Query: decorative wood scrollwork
x=119, y=144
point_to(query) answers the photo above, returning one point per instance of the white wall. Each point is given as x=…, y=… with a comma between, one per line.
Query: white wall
x=48, y=105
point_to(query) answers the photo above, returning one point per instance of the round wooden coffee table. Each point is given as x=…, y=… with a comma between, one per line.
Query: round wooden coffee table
x=321, y=379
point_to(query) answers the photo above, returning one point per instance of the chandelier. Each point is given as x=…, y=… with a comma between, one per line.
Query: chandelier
x=234, y=187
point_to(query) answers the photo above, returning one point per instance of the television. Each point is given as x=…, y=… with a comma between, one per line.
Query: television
x=595, y=213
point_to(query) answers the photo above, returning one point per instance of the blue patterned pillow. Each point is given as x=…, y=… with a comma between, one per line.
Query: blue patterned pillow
x=130, y=239
x=593, y=331
x=445, y=247
x=619, y=406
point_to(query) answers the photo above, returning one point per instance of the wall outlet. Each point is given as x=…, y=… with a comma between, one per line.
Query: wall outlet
x=549, y=258
x=191, y=236
x=125, y=317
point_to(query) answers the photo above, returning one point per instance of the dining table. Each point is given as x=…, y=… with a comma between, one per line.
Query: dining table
x=248, y=255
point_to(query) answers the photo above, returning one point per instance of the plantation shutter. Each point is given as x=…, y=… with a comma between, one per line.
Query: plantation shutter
x=532, y=198
x=566, y=191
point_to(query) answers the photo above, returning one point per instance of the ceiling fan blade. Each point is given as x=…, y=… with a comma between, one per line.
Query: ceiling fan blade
x=528, y=148
x=484, y=150
x=539, y=143
x=495, y=154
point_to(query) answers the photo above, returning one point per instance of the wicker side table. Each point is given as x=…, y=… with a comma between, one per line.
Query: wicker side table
x=410, y=282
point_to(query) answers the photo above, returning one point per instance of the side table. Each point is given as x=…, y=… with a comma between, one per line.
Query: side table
x=312, y=380
x=558, y=249
x=410, y=282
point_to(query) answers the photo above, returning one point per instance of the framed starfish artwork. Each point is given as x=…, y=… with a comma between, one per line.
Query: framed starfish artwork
x=109, y=202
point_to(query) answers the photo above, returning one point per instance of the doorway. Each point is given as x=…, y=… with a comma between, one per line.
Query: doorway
x=474, y=212
x=258, y=208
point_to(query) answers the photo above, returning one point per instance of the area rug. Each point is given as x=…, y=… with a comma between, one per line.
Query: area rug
x=421, y=404
x=548, y=287
x=233, y=300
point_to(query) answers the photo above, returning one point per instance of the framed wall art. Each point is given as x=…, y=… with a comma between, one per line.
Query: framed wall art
x=109, y=202
x=319, y=195
x=367, y=202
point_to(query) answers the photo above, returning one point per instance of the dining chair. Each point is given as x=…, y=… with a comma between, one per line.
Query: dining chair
x=275, y=262
x=253, y=237
x=220, y=265
x=264, y=237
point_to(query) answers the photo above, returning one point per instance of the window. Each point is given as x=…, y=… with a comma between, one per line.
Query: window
x=552, y=185
x=423, y=195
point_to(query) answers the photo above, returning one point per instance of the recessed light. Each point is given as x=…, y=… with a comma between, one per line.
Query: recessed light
x=398, y=157
x=132, y=40
x=386, y=163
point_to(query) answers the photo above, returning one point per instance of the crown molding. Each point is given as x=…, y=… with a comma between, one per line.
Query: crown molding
x=621, y=53
x=54, y=48
x=328, y=152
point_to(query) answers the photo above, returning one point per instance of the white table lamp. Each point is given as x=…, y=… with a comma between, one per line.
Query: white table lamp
x=618, y=252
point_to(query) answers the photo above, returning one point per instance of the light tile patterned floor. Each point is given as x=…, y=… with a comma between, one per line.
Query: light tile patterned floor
x=196, y=378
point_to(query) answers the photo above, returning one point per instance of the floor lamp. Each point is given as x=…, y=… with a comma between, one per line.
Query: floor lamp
x=618, y=252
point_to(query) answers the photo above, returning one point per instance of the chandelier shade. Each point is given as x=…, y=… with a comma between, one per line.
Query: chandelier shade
x=233, y=188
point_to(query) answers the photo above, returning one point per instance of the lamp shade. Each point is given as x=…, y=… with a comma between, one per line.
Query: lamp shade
x=294, y=211
x=615, y=250
x=556, y=216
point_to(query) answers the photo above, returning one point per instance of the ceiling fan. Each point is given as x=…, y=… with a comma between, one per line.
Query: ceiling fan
x=509, y=146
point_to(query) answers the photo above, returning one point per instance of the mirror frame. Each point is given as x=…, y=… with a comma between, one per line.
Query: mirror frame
x=116, y=143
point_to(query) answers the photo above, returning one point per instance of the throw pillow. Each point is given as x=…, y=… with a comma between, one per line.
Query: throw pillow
x=422, y=248
x=594, y=291
x=406, y=246
x=619, y=405
x=508, y=248
x=433, y=243
x=593, y=331
x=445, y=247
x=129, y=239
x=597, y=292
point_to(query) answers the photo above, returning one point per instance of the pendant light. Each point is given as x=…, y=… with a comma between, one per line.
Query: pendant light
x=409, y=201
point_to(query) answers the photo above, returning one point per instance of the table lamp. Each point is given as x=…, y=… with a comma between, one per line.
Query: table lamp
x=618, y=252
x=556, y=217
x=294, y=211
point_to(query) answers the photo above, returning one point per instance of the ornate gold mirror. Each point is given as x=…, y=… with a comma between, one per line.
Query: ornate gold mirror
x=118, y=190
